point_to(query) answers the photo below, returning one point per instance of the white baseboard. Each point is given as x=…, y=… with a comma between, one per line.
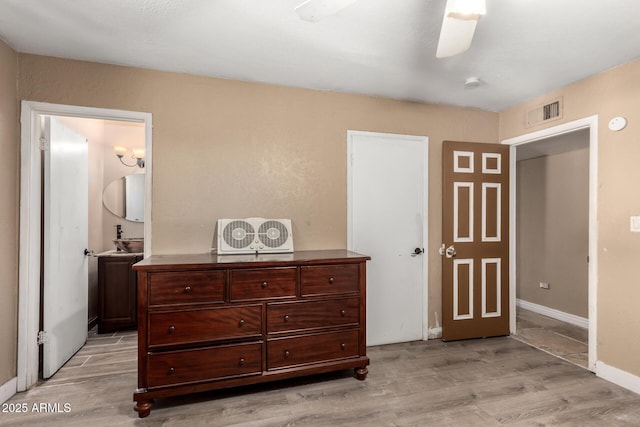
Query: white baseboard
x=618, y=376
x=434, y=333
x=582, y=322
x=8, y=389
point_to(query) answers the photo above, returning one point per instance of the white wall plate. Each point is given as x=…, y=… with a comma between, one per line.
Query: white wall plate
x=617, y=123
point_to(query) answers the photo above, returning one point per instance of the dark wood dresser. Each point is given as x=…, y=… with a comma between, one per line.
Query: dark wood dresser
x=214, y=321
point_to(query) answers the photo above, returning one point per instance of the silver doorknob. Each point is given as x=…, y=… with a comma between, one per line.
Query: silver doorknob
x=450, y=252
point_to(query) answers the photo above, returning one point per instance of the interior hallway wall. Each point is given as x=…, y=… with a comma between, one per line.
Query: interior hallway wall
x=224, y=148
x=553, y=231
x=612, y=93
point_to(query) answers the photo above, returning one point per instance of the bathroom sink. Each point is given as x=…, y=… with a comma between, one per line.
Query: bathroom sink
x=133, y=245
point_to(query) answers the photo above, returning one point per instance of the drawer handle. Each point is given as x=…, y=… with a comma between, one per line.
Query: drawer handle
x=171, y=329
x=264, y=285
x=242, y=361
x=286, y=318
x=331, y=280
x=343, y=313
x=241, y=322
x=171, y=371
x=187, y=289
x=286, y=353
x=343, y=346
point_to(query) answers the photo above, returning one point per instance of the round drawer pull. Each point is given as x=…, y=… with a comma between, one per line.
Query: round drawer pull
x=286, y=318
x=171, y=371
x=286, y=353
x=264, y=285
x=187, y=289
x=343, y=313
x=343, y=346
x=242, y=361
x=241, y=322
x=331, y=280
x=171, y=329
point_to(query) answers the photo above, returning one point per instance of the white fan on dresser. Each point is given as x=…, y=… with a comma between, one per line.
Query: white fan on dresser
x=254, y=235
x=458, y=23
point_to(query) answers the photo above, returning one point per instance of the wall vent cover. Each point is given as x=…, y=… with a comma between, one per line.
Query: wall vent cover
x=544, y=113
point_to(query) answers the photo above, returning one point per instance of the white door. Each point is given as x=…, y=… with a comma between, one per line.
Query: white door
x=387, y=221
x=65, y=240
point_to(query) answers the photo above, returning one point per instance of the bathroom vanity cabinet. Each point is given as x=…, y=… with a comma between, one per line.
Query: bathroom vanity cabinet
x=117, y=291
x=209, y=322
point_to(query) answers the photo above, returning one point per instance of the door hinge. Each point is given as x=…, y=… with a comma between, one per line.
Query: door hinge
x=44, y=144
x=42, y=337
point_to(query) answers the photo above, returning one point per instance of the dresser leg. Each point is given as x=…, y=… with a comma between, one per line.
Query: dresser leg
x=361, y=373
x=143, y=408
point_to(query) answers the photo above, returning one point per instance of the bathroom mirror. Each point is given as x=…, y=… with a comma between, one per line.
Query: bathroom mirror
x=124, y=197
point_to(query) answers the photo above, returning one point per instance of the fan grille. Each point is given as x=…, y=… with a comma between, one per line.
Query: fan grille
x=273, y=233
x=238, y=234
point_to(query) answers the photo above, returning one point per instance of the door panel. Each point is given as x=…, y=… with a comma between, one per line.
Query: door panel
x=65, y=290
x=475, y=232
x=388, y=190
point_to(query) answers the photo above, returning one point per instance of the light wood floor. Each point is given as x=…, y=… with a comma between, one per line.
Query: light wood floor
x=561, y=339
x=491, y=382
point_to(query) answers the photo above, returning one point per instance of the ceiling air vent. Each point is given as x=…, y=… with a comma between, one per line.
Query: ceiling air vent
x=545, y=113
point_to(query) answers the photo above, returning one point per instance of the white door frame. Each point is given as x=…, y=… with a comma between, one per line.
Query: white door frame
x=425, y=214
x=590, y=123
x=30, y=223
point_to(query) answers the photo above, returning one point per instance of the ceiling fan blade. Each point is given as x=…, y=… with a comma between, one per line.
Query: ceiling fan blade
x=315, y=10
x=458, y=25
x=455, y=36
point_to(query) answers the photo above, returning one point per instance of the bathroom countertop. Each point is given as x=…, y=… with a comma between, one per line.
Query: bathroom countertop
x=115, y=253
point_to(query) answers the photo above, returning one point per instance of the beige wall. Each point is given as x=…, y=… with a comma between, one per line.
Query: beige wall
x=224, y=148
x=609, y=94
x=9, y=161
x=553, y=231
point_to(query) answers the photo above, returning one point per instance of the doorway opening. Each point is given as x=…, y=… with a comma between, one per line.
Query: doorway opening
x=553, y=239
x=31, y=228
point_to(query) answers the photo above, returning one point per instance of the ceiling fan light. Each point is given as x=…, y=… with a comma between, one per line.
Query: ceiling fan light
x=465, y=9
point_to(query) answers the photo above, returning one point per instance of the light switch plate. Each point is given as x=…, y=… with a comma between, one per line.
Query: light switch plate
x=635, y=224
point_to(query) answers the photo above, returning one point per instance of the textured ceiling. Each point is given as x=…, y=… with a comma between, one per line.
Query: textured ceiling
x=521, y=49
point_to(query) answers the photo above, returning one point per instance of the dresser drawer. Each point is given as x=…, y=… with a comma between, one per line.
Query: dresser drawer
x=186, y=287
x=185, y=366
x=328, y=279
x=262, y=283
x=312, y=314
x=283, y=352
x=192, y=326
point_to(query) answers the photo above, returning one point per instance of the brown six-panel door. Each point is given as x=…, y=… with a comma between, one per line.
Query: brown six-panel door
x=475, y=233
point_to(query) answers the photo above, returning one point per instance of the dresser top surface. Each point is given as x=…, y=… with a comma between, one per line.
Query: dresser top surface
x=208, y=260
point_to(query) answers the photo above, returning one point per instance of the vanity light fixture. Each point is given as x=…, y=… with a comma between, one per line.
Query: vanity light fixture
x=138, y=155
